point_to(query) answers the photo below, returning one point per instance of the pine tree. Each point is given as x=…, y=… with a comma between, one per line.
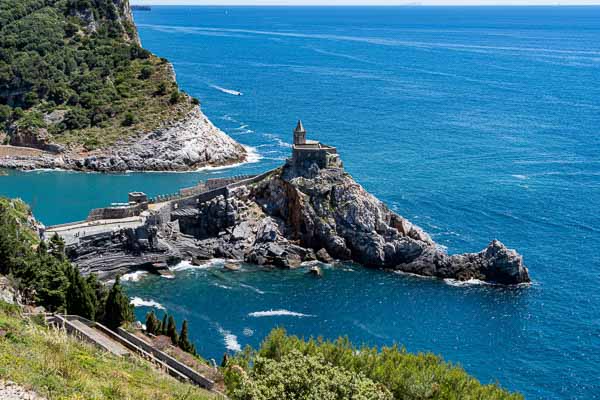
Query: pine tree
x=184, y=342
x=57, y=247
x=172, y=331
x=118, y=310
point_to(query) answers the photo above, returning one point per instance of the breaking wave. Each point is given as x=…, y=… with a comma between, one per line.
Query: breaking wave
x=231, y=340
x=139, y=302
x=470, y=282
x=133, y=276
x=186, y=265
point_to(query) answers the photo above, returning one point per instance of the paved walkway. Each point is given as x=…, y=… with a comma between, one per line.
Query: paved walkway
x=103, y=340
x=72, y=232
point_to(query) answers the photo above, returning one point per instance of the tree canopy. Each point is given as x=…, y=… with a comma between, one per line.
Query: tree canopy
x=83, y=59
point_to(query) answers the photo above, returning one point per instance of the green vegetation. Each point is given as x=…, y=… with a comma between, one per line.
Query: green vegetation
x=61, y=367
x=284, y=367
x=169, y=328
x=117, y=309
x=287, y=367
x=82, y=58
x=43, y=274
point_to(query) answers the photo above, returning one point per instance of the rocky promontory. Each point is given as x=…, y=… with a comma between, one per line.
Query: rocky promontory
x=181, y=145
x=290, y=216
x=93, y=109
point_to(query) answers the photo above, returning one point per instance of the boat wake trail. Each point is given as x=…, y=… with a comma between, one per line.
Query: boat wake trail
x=227, y=91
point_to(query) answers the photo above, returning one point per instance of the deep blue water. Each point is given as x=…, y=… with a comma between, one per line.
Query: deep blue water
x=475, y=123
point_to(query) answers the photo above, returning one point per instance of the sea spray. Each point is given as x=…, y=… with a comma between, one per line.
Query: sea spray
x=139, y=302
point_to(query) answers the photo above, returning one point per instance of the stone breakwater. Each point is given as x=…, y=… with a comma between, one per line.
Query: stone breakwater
x=288, y=217
x=183, y=145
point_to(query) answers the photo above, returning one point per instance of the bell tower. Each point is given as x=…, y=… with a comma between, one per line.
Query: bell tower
x=299, y=134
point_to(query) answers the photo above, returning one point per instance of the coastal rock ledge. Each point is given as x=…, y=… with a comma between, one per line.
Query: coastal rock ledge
x=290, y=216
x=181, y=145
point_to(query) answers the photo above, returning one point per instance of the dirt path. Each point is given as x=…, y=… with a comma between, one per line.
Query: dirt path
x=12, y=391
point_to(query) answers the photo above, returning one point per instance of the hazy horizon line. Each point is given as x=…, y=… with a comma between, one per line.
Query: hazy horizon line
x=317, y=3
x=261, y=4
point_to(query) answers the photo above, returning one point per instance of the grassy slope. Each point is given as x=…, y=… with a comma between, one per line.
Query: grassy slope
x=138, y=97
x=60, y=367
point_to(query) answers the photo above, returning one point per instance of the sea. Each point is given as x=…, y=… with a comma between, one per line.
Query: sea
x=474, y=123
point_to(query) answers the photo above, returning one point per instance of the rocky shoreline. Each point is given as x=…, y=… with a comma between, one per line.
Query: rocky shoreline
x=184, y=145
x=289, y=217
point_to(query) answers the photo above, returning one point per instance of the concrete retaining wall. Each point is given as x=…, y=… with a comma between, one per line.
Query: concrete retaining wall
x=115, y=212
x=167, y=359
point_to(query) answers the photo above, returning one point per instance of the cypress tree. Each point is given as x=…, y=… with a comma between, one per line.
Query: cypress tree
x=118, y=309
x=152, y=323
x=80, y=297
x=158, y=327
x=172, y=331
x=184, y=342
x=163, y=325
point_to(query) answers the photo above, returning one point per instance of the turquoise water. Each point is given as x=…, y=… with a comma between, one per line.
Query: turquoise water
x=475, y=123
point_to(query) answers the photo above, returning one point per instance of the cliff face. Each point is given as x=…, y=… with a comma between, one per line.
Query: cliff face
x=288, y=218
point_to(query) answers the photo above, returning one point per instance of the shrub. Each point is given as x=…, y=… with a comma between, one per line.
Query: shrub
x=161, y=90
x=76, y=118
x=129, y=119
x=5, y=113
x=175, y=96
x=146, y=72
x=298, y=376
x=404, y=375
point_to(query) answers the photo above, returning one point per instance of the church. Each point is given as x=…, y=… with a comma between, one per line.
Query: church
x=307, y=152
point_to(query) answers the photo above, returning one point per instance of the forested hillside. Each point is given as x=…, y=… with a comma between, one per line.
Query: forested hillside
x=72, y=72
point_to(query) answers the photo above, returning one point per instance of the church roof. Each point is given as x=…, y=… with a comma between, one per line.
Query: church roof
x=299, y=127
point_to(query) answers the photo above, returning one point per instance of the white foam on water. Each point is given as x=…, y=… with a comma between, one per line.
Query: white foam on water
x=414, y=275
x=227, y=91
x=278, y=140
x=231, y=342
x=470, y=282
x=139, y=302
x=222, y=286
x=248, y=332
x=519, y=176
x=252, y=157
x=278, y=313
x=133, y=276
x=186, y=265
x=257, y=290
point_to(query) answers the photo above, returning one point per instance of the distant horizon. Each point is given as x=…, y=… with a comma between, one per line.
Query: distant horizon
x=377, y=3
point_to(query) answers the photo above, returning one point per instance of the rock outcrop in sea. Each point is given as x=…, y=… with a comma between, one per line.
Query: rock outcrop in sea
x=297, y=213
